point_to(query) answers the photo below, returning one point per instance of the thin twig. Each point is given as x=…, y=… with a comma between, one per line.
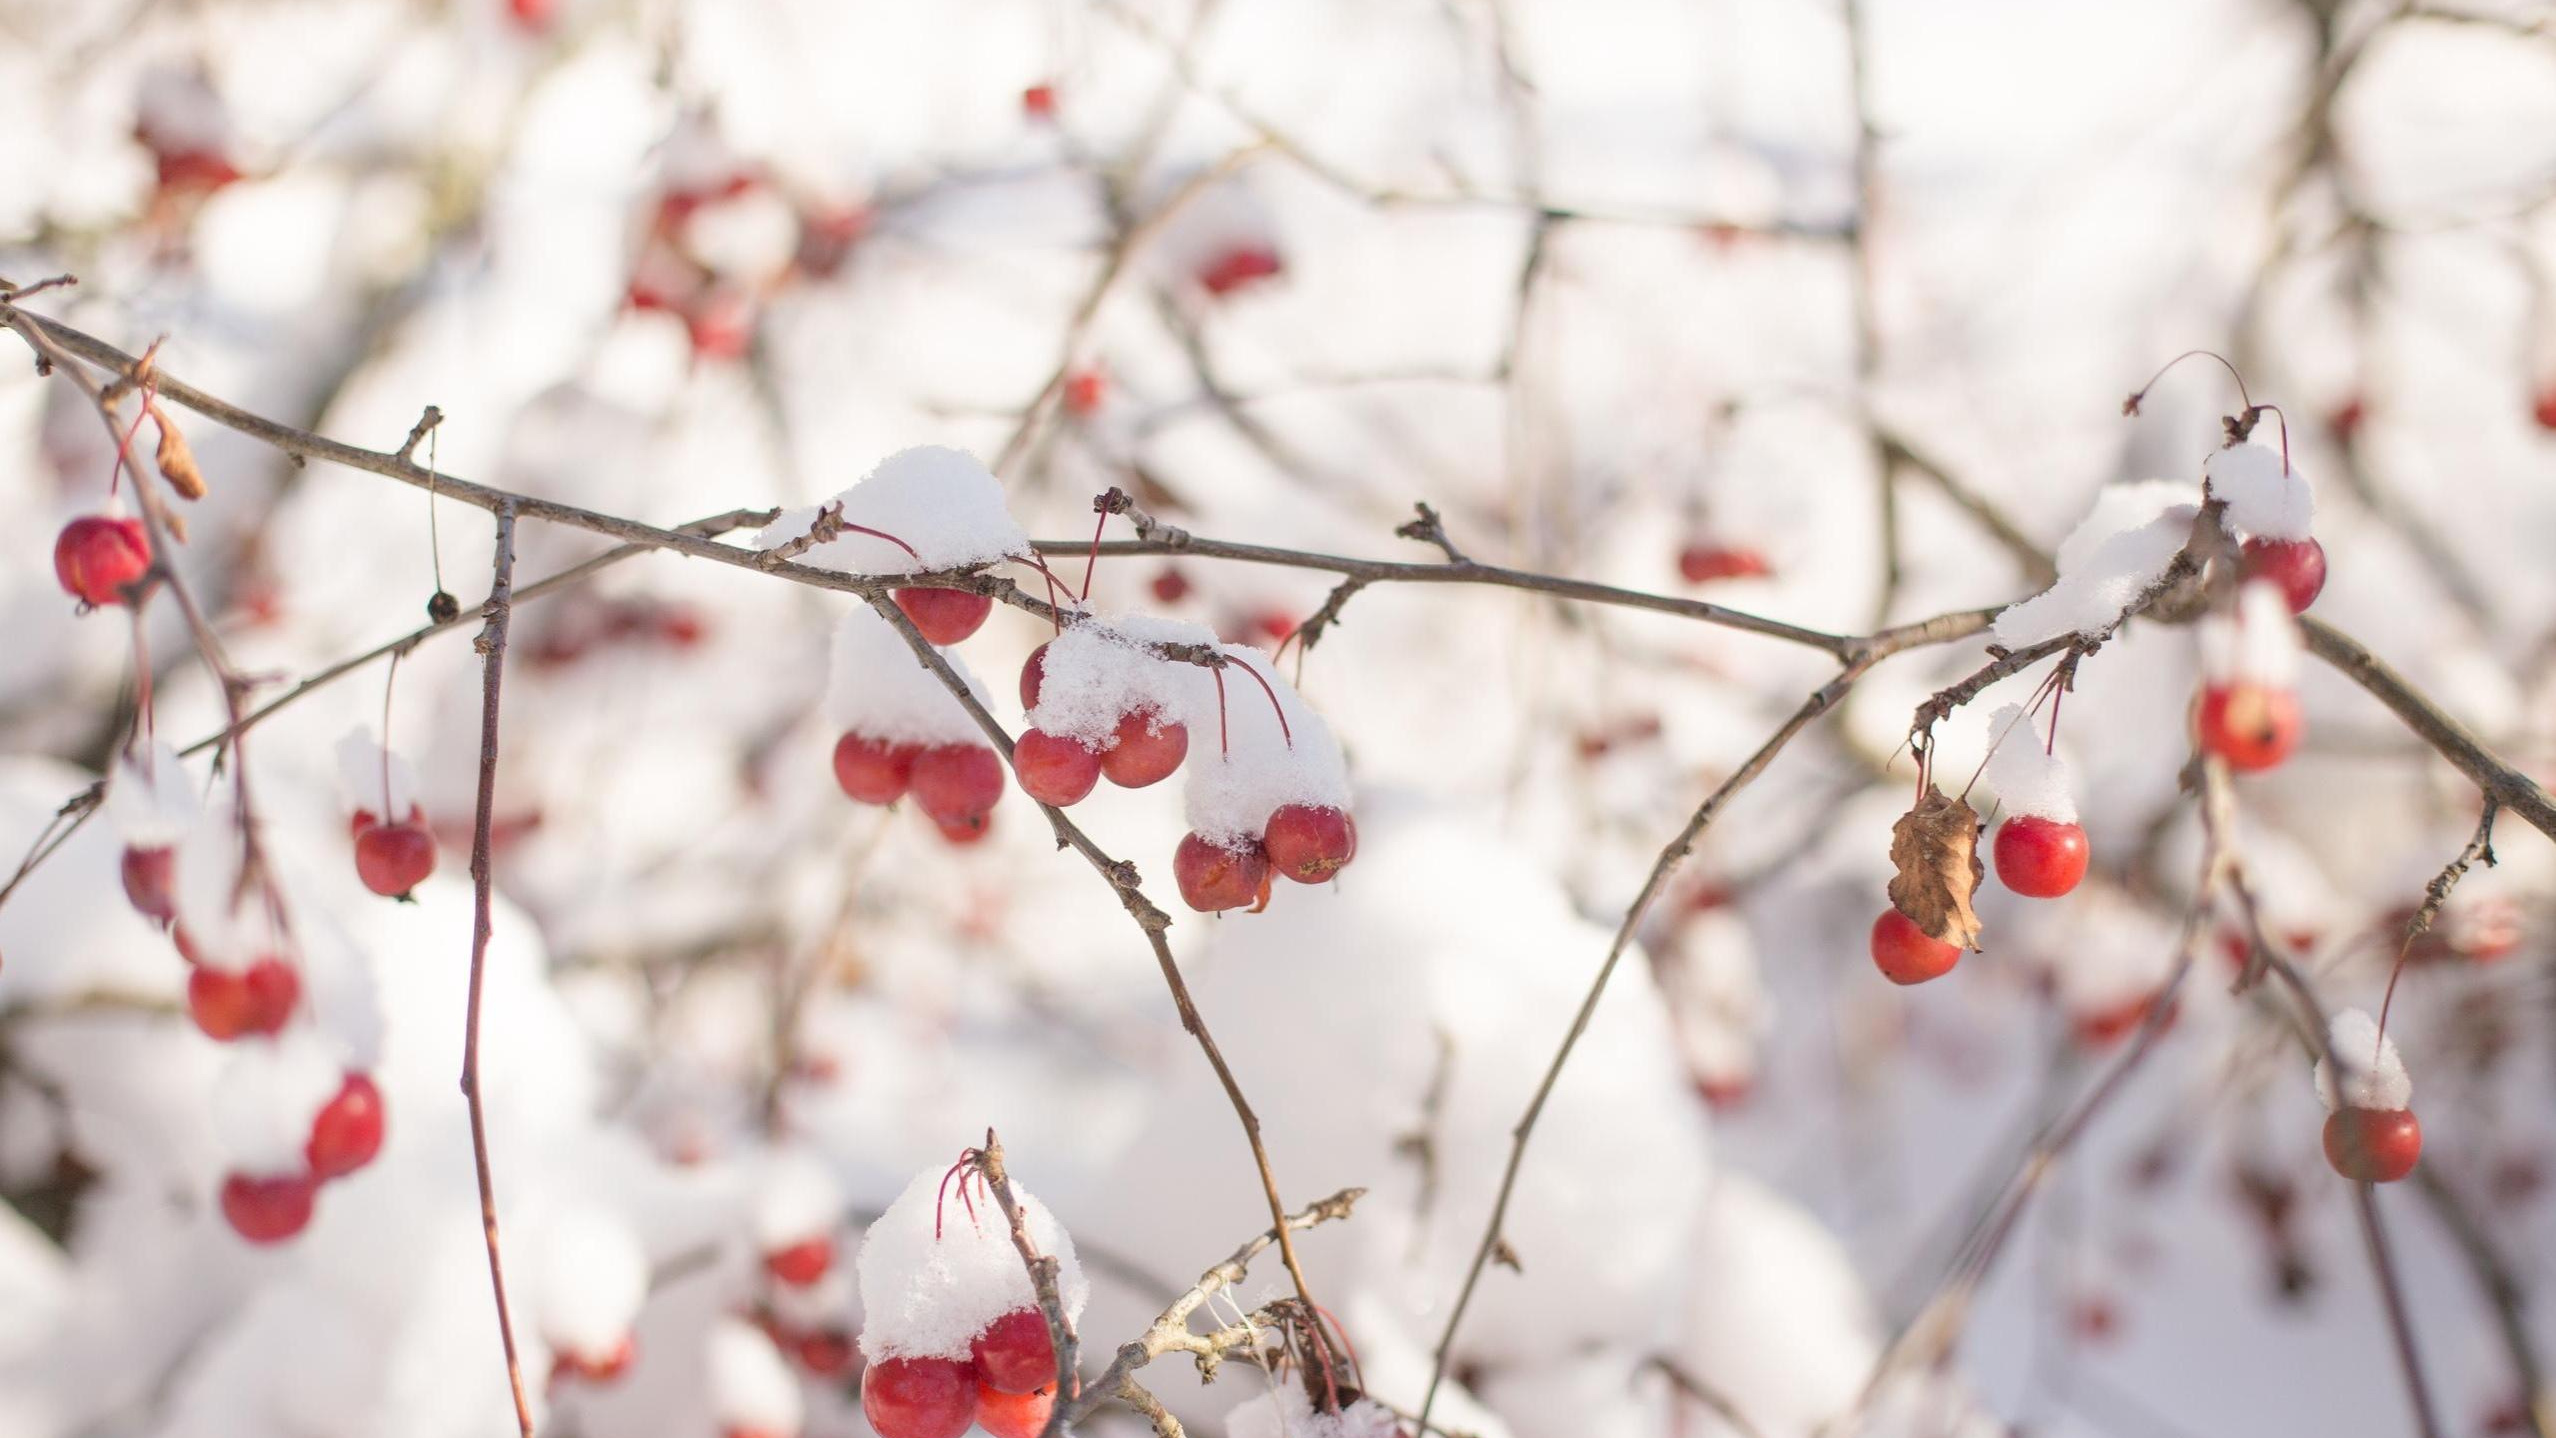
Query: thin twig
x=1042, y=1274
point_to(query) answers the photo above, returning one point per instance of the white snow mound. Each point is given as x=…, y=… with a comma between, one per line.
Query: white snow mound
x=2116, y=553
x=1260, y=766
x=877, y=688
x=926, y=1294
x=2260, y=645
x=2373, y=1076
x=942, y=502
x=2026, y=778
x=2265, y=496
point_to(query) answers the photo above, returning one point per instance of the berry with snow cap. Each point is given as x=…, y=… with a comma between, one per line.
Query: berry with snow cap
x=1149, y=749
x=2040, y=849
x=938, y=1270
x=393, y=859
x=945, y=616
x=1310, y=842
x=752, y=1390
x=2249, y=714
x=347, y=1131
x=1015, y=1353
x=2296, y=565
x=2265, y=496
x=1213, y=877
x=588, y=1278
x=2371, y=1135
x=796, y=1207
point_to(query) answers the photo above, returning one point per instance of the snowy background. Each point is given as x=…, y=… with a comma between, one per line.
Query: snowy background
x=1601, y=282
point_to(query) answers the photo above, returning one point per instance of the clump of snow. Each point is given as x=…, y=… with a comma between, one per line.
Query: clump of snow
x=925, y=1294
x=1262, y=766
x=2259, y=645
x=2119, y=551
x=178, y=112
x=797, y=1198
x=2265, y=496
x=225, y=928
x=877, y=688
x=1286, y=1412
x=376, y=781
x=751, y=1388
x=2373, y=1075
x=1098, y=671
x=751, y=235
x=151, y=799
x=2024, y=776
x=942, y=502
x=266, y=1097
x=590, y=1277
x=1716, y=1000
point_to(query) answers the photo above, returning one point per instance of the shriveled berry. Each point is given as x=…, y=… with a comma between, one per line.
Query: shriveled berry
x=874, y=771
x=270, y=1209
x=1907, y=954
x=945, y=616
x=2370, y=1145
x=2251, y=726
x=1015, y=1354
x=98, y=556
x=228, y=1004
x=347, y=1133
x=1213, y=877
x=918, y=1397
x=801, y=1263
x=2297, y=565
x=2040, y=858
x=1054, y=769
x=1232, y=269
x=147, y=872
x=392, y=859
x=1015, y=1415
x=958, y=785
x=1149, y=749
x=1310, y=842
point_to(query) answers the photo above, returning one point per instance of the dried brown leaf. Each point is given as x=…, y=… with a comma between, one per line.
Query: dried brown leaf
x=176, y=461
x=1935, y=848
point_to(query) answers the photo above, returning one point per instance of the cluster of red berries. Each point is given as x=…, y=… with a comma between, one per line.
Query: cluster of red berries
x=1145, y=747
x=572, y=630
x=719, y=310
x=2254, y=726
x=1006, y=1385
x=1305, y=842
x=345, y=1135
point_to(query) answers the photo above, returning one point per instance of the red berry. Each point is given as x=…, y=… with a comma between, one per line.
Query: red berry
x=348, y=1131
x=534, y=15
x=392, y=859
x=1232, y=269
x=2369, y=1145
x=602, y=1367
x=147, y=873
x=2249, y=725
x=721, y=326
x=1054, y=769
x=1039, y=102
x=229, y=1004
x=965, y=830
x=945, y=616
x=918, y=1398
x=2545, y=410
x=2040, y=858
x=2297, y=565
x=1033, y=676
x=1149, y=748
x=1726, y=1093
x=801, y=1263
x=958, y=785
x=2347, y=417
x=827, y=1352
x=1702, y=563
x=1213, y=877
x=1015, y=1415
x=1310, y=842
x=1170, y=585
x=1015, y=1354
x=1085, y=390
x=268, y=1210
x=874, y=771
x=195, y=172
x=97, y=557
x=2100, y=1028
x=1907, y=954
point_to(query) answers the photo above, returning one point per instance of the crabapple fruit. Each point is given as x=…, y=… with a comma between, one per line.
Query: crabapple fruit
x=147, y=872
x=1054, y=769
x=97, y=557
x=1150, y=747
x=918, y=1397
x=1232, y=269
x=1310, y=842
x=1085, y=391
x=1170, y=586
x=874, y=771
x=228, y=1004
x=1213, y=877
x=801, y=1263
x=826, y=1352
x=1907, y=954
x=1015, y=1415
x=2296, y=565
x=1033, y=676
x=270, y=1209
x=347, y=1132
x=1702, y=563
x=2369, y=1145
x=393, y=859
x=1039, y=102
x=2251, y=726
x=2040, y=858
x=1015, y=1354
x=958, y=785
x=945, y=616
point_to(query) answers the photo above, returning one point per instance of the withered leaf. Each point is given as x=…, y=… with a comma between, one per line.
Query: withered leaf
x=176, y=461
x=1935, y=848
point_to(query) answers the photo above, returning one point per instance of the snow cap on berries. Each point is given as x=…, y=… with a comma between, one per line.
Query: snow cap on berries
x=266, y=1096
x=1285, y=1411
x=941, y=501
x=151, y=800
x=2265, y=496
x=2024, y=776
x=589, y=1278
x=362, y=766
x=878, y=689
x=751, y=1388
x=2373, y=1075
x=1097, y=671
x=2120, y=550
x=796, y=1199
x=1263, y=767
x=925, y=1295
x=224, y=929
x=2260, y=645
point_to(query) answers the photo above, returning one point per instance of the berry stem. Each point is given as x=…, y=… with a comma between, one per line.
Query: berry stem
x=1091, y=561
x=2229, y=365
x=1275, y=707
